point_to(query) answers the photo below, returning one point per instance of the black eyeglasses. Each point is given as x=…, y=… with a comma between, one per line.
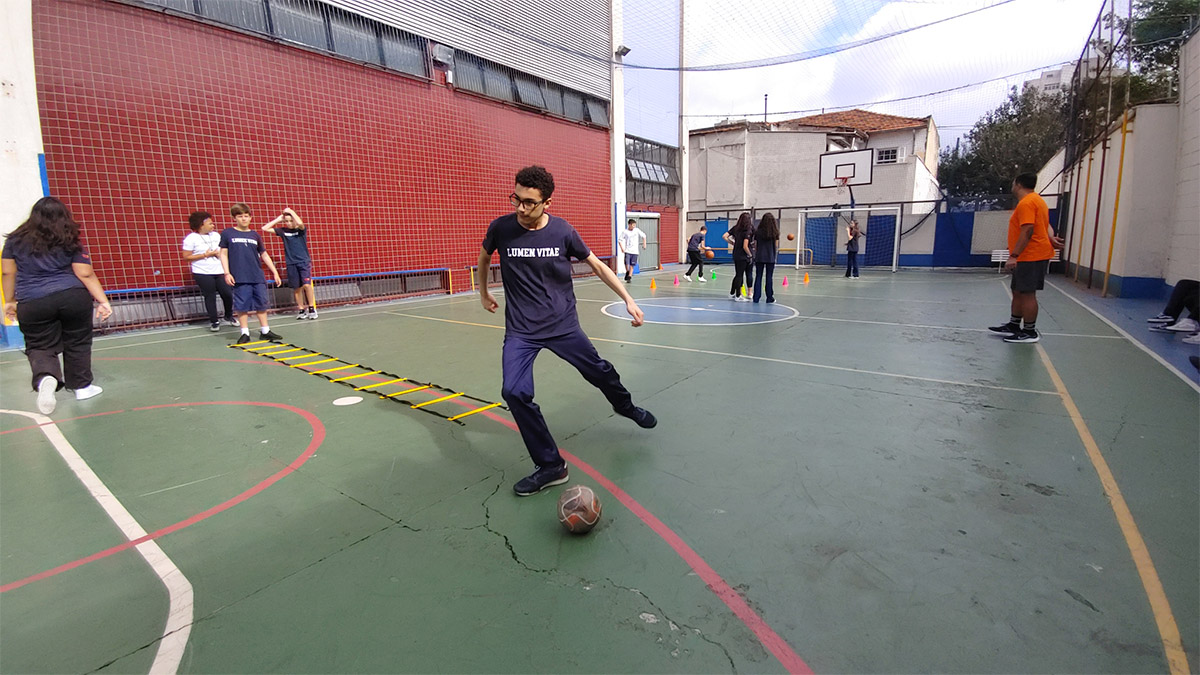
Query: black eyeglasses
x=529, y=204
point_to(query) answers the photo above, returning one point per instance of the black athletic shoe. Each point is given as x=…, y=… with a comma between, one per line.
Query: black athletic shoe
x=214, y=327
x=1024, y=336
x=540, y=480
x=302, y=314
x=269, y=335
x=1009, y=327
x=243, y=339
x=644, y=418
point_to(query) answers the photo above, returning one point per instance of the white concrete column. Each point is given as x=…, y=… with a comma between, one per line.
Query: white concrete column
x=683, y=140
x=617, y=130
x=21, y=131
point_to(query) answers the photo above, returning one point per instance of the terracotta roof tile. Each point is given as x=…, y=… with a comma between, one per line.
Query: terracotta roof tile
x=860, y=120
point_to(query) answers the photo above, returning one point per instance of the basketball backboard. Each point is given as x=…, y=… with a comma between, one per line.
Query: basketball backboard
x=853, y=166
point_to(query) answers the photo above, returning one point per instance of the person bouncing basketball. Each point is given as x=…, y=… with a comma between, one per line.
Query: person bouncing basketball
x=535, y=251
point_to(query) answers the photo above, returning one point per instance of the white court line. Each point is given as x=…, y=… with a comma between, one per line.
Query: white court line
x=763, y=358
x=1166, y=364
x=826, y=318
x=179, y=589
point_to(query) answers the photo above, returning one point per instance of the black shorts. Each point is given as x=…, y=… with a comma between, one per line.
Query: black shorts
x=1029, y=276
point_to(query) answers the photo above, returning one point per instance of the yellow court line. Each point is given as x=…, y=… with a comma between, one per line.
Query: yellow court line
x=1168, y=630
x=380, y=384
x=270, y=346
x=331, y=370
x=354, y=377
x=247, y=344
x=311, y=363
x=309, y=355
x=281, y=351
x=436, y=400
x=472, y=412
x=408, y=391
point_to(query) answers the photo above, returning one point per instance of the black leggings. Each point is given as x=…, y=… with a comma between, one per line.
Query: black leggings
x=210, y=285
x=741, y=270
x=697, y=260
x=1185, y=295
x=59, y=323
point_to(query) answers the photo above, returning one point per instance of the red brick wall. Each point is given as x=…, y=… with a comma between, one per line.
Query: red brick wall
x=147, y=117
x=668, y=230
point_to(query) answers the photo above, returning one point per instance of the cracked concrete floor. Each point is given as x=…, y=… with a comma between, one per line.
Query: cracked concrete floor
x=886, y=503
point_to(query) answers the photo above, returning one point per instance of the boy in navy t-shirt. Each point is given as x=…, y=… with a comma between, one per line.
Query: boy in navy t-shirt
x=294, y=233
x=536, y=249
x=241, y=250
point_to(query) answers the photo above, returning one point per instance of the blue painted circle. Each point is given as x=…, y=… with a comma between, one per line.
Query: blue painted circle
x=703, y=311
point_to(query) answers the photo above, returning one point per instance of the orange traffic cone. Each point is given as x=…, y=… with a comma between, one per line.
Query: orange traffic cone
x=806, y=277
x=653, y=285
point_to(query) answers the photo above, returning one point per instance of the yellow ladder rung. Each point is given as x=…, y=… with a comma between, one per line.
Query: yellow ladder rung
x=273, y=345
x=310, y=363
x=310, y=354
x=408, y=391
x=281, y=351
x=472, y=412
x=247, y=344
x=352, y=377
x=331, y=370
x=380, y=384
x=437, y=400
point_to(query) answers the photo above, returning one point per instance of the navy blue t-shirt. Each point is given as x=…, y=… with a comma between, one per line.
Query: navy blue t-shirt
x=244, y=251
x=295, y=244
x=694, y=241
x=535, y=266
x=44, y=274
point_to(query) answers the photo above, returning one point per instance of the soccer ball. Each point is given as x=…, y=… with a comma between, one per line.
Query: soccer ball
x=578, y=509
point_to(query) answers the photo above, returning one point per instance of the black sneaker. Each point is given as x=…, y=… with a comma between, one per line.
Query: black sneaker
x=541, y=479
x=1024, y=336
x=214, y=327
x=302, y=314
x=243, y=339
x=644, y=418
x=1161, y=318
x=1008, y=327
x=269, y=335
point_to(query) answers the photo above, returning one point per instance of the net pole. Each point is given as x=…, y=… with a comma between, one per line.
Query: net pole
x=896, y=242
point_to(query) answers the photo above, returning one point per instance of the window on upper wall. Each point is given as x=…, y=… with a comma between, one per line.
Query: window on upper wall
x=573, y=105
x=299, y=21
x=246, y=14
x=403, y=52
x=354, y=36
x=887, y=155
x=553, y=95
x=529, y=91
x=497, y=82
x=178, y=5
x=597, y=112
x=469, y=73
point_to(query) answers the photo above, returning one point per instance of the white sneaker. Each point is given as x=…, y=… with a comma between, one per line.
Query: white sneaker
x=701, y=280
x=87, y=392
x=45, y=397
x=312, y=313
x=1192, y=339
x=1184, y=326
x=687, y=278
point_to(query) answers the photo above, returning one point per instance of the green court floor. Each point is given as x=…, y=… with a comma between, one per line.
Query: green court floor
x=872, y=483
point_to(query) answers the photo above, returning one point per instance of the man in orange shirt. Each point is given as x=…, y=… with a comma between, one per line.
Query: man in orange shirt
x=1031, y=245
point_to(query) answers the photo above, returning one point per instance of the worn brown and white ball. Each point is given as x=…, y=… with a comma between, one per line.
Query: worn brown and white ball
x=578, y=509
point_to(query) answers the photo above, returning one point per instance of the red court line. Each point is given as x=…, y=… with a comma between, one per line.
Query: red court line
x=768, y=637
x=318, y=437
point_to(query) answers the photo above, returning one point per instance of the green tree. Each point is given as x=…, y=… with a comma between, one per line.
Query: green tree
x=1020, y=135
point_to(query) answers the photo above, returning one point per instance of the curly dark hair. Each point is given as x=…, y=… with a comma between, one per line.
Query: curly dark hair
x=538, y=178
x=50, y=227
x=196, y=220
x=768, y=227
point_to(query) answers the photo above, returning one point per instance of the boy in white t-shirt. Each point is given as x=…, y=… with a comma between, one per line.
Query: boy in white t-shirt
x=202, y=249
x=627, y=241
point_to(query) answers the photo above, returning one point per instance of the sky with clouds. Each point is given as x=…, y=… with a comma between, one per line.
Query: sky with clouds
x=1006, y=41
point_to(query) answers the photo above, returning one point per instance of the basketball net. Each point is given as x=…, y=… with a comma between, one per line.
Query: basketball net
x=841, y=185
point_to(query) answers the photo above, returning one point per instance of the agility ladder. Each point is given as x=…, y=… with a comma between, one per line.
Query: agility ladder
x=353, y=375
